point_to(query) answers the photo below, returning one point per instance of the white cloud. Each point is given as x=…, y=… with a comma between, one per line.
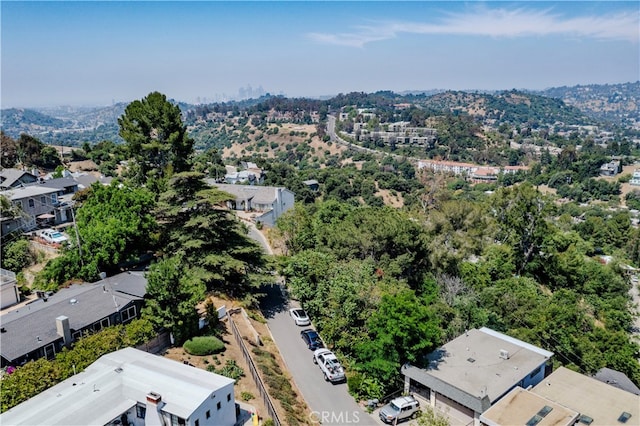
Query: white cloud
x=498, y=23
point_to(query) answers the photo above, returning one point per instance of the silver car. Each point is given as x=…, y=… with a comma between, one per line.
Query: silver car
x=399, y=409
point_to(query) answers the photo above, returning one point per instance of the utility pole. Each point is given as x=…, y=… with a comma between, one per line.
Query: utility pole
x=75, y=226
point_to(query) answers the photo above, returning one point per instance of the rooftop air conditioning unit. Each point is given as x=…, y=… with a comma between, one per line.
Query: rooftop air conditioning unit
x=504, y=354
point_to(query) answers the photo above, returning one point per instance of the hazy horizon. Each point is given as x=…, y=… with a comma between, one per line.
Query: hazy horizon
x=101, y=53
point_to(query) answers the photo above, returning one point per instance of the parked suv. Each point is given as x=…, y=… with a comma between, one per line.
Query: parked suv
x=399, y=409
x=329, y=364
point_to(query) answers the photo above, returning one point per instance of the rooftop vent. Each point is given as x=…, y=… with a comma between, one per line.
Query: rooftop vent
x=471, y=360
x=118, y=370
x=504, y=354
x=73, y=301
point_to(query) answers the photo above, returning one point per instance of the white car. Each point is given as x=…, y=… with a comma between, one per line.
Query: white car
x=299, y=316
x=329, y=364
x=402, y=408
x=53, y=236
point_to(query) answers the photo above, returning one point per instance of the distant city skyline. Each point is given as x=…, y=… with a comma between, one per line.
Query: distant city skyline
x=97, y=53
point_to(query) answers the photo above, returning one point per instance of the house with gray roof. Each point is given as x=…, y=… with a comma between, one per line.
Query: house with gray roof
x=36, y=202
x=43, y=327
x=15, y=178
x=467, y=375
x=133, y=388
x=269, y=202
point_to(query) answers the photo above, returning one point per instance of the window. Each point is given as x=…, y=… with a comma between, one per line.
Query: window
x=128, y=314
x=197, y=422
x=50, y=351
x=228, y=397
x=208, y=413
x=177, y=421
x=97, y=326
x=219, y=405
x=534, y=373
x=624, y=417
x=76, y=335
x=585, y=419
x=141, y=411
x=43, y=201
x=32, y=203
x=54, y=198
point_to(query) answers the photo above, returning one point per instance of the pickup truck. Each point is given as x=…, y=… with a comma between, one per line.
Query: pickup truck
x=52, y=236
x=329, y=364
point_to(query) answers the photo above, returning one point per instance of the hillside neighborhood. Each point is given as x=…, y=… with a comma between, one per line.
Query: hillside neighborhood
x=369, y=259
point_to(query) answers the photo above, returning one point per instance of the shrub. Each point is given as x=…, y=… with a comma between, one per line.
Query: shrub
x=246, y=396
x=204, y=345
x=231, y=370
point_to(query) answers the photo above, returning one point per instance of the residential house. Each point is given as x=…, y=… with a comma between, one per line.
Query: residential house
x=521, y=407
x=15, y=178
x=252, y=176
x=635, y=178
x=132, y=387
x=36, y=202
x=269, y=201
x=611, y=168
x=616, y=379
x=312, y=184
x=9, y=293
x=46, y=325
x=598, y=403
x=467, y=375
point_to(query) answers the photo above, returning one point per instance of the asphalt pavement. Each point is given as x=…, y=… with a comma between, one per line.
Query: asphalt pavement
x=330, y=404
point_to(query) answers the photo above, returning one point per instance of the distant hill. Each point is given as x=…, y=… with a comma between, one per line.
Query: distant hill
x=512, y=106
x=16, y=121
x=619, y=103
x=615, y=103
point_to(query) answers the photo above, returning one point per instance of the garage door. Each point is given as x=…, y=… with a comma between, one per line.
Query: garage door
x=460, y=415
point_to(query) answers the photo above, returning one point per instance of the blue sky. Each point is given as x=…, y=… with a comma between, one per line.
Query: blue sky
x=95, y=53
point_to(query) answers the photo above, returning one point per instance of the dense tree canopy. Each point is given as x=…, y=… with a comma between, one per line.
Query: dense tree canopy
x=156, y=138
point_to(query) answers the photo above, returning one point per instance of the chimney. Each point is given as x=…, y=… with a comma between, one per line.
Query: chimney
x=62, y=327
x=153, y=415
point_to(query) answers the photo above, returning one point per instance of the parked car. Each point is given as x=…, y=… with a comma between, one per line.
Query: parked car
x=312, y=339
x=52, y=236
x=399, y=409
x=299, y=316
x=329, y=365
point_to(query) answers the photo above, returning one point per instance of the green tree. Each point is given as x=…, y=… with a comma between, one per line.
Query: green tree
x=521, y=214
x=156, y=139
x=17, y=255
x=9, y=150
x=206, y=236
x=401, y=329
x=172, y=295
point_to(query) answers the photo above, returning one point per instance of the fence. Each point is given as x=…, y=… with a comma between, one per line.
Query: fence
x=254, y=373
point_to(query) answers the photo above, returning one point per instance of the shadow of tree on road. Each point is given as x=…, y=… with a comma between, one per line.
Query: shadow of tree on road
x=274, y=300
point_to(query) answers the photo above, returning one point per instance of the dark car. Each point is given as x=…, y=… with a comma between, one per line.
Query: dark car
x=312, y=339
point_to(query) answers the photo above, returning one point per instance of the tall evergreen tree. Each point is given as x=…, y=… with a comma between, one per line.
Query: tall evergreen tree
x=156, y=138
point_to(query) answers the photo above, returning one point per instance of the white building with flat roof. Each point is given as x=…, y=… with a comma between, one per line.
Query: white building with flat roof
x=132, y=387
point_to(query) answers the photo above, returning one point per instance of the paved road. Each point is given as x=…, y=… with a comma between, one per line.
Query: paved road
x=330, y=404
